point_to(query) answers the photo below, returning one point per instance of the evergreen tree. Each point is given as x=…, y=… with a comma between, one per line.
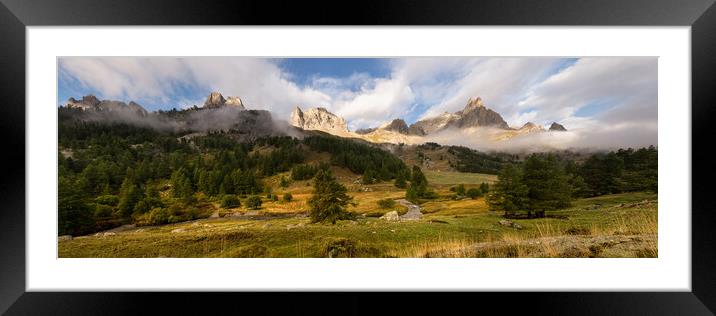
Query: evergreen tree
x=509, y=194
x=473, y=193
x=369, y=176
x=181, y=185
x=418, y=186
x=329, y=200
x=283, y=182
x=400, y=181
x=74, y=215
x=548, y=185
x=253, y=202
x=129, y=196
x=484, y=187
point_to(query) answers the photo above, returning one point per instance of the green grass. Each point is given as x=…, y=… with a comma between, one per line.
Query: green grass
x=446, y=226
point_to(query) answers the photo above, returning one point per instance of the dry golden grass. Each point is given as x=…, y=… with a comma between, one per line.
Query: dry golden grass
x=442, y=248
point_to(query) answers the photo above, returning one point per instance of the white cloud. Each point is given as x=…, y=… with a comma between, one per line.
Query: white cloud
x=621, y=92
x=260, y=83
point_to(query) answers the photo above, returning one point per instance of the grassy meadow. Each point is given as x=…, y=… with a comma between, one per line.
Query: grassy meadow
x=620, y=225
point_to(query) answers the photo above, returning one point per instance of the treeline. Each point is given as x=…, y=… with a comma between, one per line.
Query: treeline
x=112, y=174
x=470, y=160
x=624, y=170
x=372, y=162
x=545, y=182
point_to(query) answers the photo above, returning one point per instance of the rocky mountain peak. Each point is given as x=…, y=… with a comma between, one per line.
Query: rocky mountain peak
x=87, y=102
x=557, y=127
x=214, y=100
x=235, y=102
x=531, y=127
x=397, y=125
x=92, y=103
x=474, y=103
x=318, y=119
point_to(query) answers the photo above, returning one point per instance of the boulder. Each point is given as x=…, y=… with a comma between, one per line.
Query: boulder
x=391, y=216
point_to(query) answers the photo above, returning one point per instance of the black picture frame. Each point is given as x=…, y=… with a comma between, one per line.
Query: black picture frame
x=15, y=15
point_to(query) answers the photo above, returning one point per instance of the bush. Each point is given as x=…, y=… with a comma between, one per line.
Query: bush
x=484, y=187
x=103, y=211
x=109, y=200
x=386, y=203
x=340, y=248
x=274, y=197
x=253, y=202
x=374, y=214
x=230, y=201
x=287, y=197
x=473, y=193
x=158, y=216
x=459, y=190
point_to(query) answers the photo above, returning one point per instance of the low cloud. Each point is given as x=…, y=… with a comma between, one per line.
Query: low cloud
x=595, y=98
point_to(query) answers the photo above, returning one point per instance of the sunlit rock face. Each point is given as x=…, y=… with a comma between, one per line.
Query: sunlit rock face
x=318, y=119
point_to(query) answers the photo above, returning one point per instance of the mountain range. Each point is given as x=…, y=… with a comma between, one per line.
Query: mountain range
x=219, y=113
x=475, y=116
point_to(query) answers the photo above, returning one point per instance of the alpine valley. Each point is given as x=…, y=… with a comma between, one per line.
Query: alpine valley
x=231, y=179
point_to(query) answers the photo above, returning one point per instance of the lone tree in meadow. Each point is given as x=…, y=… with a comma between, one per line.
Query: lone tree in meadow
x=418, y=186
x=329, y=200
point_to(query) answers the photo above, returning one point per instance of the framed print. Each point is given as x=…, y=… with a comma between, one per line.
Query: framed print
x=448, y=146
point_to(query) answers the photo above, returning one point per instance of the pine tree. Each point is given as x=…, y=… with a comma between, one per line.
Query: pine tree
x=74, y=215
x=484, y=187
x=369, y=176
x=548, y=185
x=418, y=186
x=400, y=181
x=129, y=196
x=329, y=200
x=509, y=194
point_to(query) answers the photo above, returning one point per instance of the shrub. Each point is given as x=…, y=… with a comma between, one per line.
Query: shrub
x=274, y=197
x=374, y=214
x=110, y=200
x=386, y=203
x=287, y=197
x=484, y=187
x=340, y=248
x=102, y=211
x=473, y=193
x=459, y=189
x=230, y=201
x=253, y=202
x=158, y=216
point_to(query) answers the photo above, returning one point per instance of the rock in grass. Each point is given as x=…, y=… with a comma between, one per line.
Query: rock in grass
x=391, y=216
x=512, y=224
x=65, y=237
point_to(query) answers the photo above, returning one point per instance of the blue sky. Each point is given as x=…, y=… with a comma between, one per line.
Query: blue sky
x=577, y=92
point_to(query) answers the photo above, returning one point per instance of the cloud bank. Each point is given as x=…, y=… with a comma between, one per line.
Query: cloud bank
x=603, y=101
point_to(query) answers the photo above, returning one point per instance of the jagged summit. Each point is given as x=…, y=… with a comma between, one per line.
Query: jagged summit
x=216, y=100
x=557, y=127
x=473, y=103
x=531, y=127
x=318, y=118
x=92, y=103
x=397, y=125
x=474, y=114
